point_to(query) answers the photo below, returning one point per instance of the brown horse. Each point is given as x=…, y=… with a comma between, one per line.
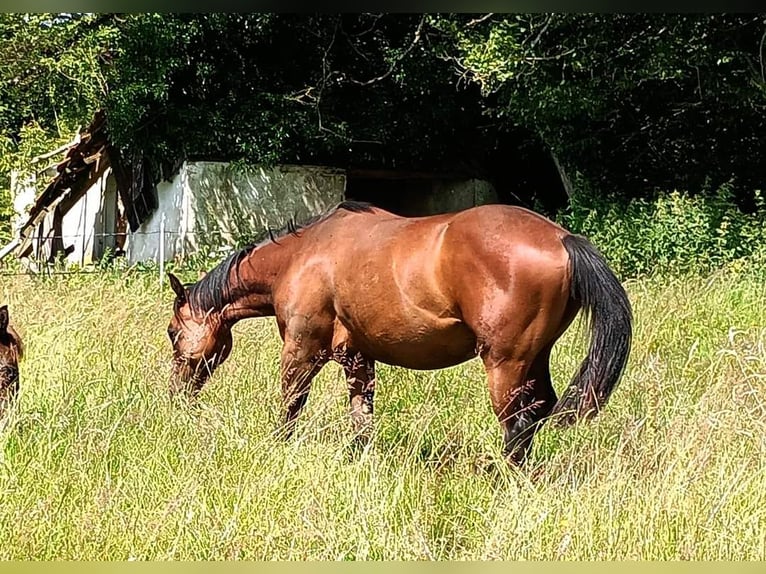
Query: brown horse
x=11, y=350
x=359, y=285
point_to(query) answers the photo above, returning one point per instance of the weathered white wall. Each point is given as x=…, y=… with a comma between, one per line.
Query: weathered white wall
x=105, y=225
x=212, y=206
x=23, y=191
x=230, y=206
x=79, y=225
x=144, y=244
x=209, y=207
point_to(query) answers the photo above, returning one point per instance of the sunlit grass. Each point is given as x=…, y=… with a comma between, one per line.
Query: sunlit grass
x=98, y=463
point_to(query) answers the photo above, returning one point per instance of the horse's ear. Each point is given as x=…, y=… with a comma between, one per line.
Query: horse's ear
x=3, y=319
x=202, y=274
x=177, y=287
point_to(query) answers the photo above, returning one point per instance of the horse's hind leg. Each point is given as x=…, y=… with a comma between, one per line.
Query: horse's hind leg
x=522, y=396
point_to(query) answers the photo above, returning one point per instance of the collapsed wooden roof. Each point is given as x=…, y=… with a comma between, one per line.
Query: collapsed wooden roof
x=85, y=160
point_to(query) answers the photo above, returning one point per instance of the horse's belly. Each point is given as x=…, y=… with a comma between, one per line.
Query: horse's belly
x=424, y=348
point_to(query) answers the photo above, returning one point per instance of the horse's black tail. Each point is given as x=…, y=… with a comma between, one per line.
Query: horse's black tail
x=607, y=309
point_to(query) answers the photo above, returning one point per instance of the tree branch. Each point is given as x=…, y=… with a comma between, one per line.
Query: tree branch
x=390, y=71
x=476, y=21
x=760, y=57
x=58, y=150
x=548, y=21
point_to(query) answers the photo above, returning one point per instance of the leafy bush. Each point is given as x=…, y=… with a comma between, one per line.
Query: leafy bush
x=674, y=233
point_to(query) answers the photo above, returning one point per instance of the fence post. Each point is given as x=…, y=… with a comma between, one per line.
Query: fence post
x=162, y=250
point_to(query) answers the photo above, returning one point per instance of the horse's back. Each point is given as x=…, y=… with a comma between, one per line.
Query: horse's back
x=512, y=222
x=428, y=257
x=418, y=291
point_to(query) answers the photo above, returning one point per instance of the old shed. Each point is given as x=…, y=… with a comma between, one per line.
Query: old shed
x=98, y=203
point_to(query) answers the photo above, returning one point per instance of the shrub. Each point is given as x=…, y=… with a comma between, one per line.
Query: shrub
x=674, y=233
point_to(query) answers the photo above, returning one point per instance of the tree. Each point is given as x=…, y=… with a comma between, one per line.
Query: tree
x=634, y=103
x=353, y=88
x=52, y=79
x=637, y=103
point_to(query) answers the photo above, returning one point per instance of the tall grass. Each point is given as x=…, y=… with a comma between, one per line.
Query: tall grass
x=98, y=463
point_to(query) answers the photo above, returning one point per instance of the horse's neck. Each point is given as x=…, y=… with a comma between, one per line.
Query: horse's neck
x=258, y=273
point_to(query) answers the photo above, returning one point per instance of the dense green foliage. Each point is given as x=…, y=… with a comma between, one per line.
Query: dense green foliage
x=260, y=87
x=635, y=102
x=290, y=88
x=672, y=234
x=632, y=105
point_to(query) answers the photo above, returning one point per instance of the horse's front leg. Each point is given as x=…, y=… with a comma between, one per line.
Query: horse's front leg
x=300, y=363
x=360, y=376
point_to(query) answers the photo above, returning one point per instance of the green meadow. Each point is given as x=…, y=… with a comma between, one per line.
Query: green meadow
x=97, y=462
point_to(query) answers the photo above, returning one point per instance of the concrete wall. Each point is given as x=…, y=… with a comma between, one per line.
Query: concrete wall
x=83, y=225
x=212, y=206
x=449, y=196
x=144, y=244
x=230, y=206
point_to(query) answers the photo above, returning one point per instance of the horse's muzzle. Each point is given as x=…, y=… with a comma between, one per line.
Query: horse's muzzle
x=187, y=378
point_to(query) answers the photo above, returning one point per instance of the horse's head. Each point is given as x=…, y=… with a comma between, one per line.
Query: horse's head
x=201, y=341
x=10, y=353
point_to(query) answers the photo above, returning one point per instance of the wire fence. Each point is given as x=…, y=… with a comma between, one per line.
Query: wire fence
x=149, y=251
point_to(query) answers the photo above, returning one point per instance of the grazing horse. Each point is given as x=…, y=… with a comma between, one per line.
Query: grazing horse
x=11, y=350
x=359, y=285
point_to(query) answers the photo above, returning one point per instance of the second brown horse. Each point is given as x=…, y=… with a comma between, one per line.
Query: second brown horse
x=11, y=350
x=359, y=285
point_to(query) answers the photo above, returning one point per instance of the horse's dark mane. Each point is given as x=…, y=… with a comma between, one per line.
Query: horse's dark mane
x=215, y=290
